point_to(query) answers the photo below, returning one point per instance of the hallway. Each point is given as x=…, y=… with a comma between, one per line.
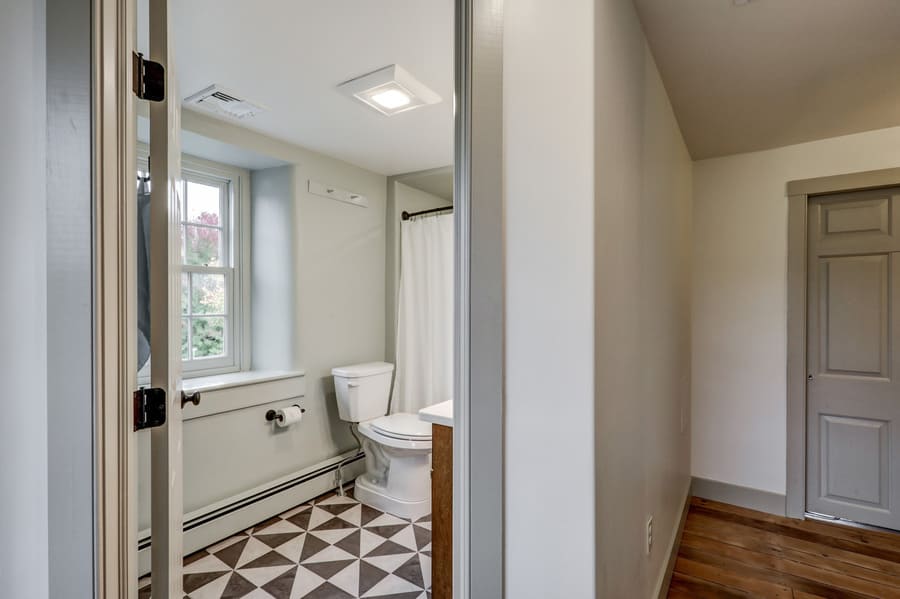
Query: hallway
x=728, y=551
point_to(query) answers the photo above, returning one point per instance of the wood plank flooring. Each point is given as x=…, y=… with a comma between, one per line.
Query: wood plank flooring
x=728, y=551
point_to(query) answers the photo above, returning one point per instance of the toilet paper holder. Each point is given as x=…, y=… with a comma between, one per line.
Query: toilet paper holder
x=274, y=415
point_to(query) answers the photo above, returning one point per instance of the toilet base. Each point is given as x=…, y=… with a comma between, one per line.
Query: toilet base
x=368, y=494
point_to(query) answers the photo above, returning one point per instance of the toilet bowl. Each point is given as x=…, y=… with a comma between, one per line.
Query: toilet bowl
x=398, y=465
x=397, y=479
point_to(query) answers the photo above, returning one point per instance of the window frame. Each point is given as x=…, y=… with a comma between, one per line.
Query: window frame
x=235, y=247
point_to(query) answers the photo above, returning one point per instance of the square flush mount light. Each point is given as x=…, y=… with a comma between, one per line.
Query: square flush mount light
x=390, y=90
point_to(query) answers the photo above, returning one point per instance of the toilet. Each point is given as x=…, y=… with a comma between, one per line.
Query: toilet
x=398, y=446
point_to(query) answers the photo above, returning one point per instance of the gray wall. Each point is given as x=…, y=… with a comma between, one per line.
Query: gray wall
x=69, y=299
x=339, y=285
x=642, y=308
x=23, y=301
x=272, y=293
x=400, y=197
x=317, y=301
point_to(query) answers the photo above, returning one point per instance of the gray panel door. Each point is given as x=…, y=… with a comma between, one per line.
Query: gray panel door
x=853, y=389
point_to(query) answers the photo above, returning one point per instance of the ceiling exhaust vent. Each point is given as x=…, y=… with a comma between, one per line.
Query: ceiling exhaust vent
x=219, y=101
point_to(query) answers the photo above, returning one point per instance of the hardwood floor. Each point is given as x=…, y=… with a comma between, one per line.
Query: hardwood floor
x=727, y=551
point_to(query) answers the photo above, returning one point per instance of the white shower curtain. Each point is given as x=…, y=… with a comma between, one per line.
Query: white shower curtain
x=425, y=314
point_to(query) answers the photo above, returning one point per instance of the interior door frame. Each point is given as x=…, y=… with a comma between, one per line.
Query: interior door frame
x=478, y=490
x=478, y=425
x=799, y=192
x=114, y=226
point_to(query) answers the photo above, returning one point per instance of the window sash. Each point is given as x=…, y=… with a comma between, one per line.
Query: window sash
x=228, y=359
x=232, y=183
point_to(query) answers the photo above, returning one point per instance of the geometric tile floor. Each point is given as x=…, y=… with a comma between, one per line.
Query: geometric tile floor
x=330, y=548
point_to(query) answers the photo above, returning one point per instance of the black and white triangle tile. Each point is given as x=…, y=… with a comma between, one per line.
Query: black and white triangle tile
x=330, y=548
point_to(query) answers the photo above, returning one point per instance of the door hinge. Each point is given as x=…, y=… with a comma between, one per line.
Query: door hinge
x=149, y=408
x=148, y=78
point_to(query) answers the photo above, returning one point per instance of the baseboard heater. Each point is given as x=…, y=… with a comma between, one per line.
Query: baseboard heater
x=214, y=523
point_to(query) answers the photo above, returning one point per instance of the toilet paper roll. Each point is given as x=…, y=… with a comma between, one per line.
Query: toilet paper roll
x=288, y=416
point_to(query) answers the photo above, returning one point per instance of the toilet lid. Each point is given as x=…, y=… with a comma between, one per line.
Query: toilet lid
x=404, y=426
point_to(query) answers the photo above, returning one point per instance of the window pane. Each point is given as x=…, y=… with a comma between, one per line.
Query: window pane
x=203, y=204
x=203, y=246
x=208, y=337
x=185, y=347
x=185, y=293
x=207, y=294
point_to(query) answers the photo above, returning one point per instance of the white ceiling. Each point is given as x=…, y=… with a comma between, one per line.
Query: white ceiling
x=775, y=72
x=290, y=55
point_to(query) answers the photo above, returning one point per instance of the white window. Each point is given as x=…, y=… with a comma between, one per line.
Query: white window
x=214, y=278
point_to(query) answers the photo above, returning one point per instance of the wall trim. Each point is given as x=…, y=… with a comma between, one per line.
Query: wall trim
x=665, y=579
x=747, y=497
x=887, y=177
x=114, y=342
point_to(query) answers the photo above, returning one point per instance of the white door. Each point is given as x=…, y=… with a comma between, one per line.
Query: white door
x=853, y=387
x=165, y=309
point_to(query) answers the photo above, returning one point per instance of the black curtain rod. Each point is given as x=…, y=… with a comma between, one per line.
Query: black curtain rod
x=408, y=215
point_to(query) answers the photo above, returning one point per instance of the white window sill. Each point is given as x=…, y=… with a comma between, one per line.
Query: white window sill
x=217, y=382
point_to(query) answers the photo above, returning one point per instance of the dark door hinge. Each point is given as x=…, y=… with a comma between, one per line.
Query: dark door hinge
x=149, y=408
x=148, y=78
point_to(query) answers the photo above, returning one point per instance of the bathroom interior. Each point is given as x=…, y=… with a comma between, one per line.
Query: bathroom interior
x=317, y=298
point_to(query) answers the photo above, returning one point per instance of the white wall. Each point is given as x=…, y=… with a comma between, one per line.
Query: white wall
x=597, y=303
x=740, y=300
x=23, y=301
x=642, y=310
x=549, y=373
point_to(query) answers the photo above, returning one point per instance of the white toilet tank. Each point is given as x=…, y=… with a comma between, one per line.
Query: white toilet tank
x=363, y=390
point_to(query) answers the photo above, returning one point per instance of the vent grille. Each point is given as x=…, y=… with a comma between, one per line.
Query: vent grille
x=224, y=97
x=219, y=101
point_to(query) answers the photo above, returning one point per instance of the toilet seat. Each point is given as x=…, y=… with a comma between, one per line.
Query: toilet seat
x=403, y=426
x=398, y=433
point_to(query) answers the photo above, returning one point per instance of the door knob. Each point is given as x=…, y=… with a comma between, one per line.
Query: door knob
x=193, y=398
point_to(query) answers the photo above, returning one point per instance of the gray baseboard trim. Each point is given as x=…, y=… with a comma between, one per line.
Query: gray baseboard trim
x=754, y=499
x=662, y=586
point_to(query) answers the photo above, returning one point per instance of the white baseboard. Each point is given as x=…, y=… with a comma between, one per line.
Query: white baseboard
x=219, y=521
x=665, y=577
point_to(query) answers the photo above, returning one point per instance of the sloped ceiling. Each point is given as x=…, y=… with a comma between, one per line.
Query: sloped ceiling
x=775, y=72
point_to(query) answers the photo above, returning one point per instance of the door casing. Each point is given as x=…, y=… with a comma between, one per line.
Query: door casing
x=478, y=430
x=798, y=193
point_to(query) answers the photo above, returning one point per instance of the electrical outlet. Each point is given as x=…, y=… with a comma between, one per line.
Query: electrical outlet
x=649, y=544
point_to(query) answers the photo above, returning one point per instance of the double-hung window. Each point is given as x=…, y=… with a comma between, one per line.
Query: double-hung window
x=213, y=281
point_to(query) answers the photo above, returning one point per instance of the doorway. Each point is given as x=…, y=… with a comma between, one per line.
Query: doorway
x=476, y=198
x=842, y=328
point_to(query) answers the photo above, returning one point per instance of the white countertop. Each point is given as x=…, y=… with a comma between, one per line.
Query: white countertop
x=439, y=413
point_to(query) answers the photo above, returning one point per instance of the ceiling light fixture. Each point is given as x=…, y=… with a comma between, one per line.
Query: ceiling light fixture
x=390, y=90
